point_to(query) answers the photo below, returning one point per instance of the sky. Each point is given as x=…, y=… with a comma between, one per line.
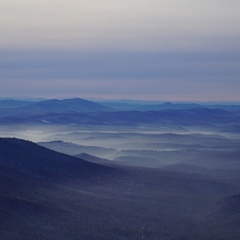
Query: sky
x=171, y=50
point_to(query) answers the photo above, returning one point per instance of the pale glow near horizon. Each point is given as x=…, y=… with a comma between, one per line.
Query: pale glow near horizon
x=149, y=25
x=133, y=49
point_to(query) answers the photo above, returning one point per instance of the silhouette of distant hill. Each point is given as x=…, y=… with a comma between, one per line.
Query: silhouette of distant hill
x=145, y=106
x=66, y=105
x=170, y=106
x=17, y=108
x=80, y=111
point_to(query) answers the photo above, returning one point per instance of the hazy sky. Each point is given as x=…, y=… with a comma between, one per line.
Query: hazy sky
x=140, y=49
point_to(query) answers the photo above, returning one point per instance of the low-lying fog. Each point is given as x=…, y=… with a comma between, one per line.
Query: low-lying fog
x=136, y=146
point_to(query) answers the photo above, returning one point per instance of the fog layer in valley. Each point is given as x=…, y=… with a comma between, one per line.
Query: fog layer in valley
x=136, y=146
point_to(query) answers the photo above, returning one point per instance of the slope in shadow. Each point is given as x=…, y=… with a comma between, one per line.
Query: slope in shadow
x=48, y=195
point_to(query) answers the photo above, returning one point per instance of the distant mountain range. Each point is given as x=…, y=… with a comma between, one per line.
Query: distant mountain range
x=66, y=105
x=223, y=118
x=82, y=105
x=16, y=107
x=180, y=118
x=144, y=106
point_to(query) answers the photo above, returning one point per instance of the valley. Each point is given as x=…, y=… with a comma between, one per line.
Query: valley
x=115, y=174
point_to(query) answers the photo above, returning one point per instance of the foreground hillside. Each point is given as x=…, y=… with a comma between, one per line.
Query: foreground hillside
x=52, y=196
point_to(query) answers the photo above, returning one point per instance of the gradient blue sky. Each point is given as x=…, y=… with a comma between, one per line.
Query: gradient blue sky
x=155, y=49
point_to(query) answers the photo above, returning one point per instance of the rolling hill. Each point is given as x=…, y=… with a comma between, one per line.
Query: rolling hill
x=52, y=196
x=16, y=108
x=66, y=105
x=36, y=161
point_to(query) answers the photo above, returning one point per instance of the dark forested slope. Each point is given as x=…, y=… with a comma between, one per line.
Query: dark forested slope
x=52, y=196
